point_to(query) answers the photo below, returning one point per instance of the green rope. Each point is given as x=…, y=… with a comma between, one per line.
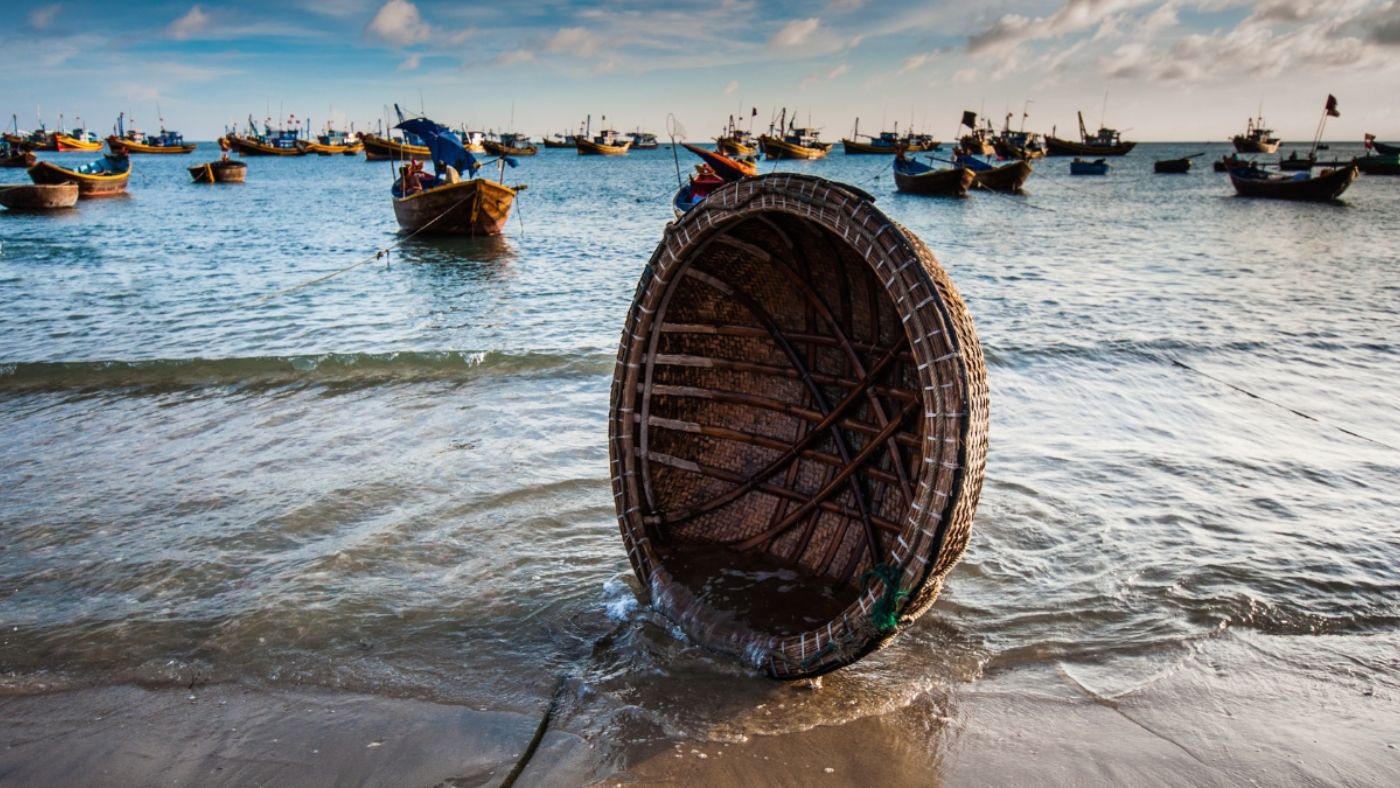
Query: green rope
x=883, y=615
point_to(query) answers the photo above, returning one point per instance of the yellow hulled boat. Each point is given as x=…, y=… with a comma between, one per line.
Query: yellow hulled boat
x=383, y=148
x=126, y=146
x=607, y=143
x=793, y=146
x=105, y=177
x=324, y=149
x=64, y=142
x=253, y=146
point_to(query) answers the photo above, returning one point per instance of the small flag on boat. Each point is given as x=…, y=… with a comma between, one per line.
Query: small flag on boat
x=754, y=114
x=1332, y=106
x=969, y=119
x=1370, y=138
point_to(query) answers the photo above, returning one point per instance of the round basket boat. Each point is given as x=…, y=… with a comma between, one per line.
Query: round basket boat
x=798, y=425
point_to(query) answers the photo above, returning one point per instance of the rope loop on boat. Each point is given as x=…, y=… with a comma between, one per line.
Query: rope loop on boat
x=884, y=614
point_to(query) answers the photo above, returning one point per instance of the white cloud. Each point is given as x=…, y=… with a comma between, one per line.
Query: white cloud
x=1075, y=15
x=411, y=63
x=605, y=66
x=818, y=78
x=513, y=57
x=191, y=24
x=40, y=18
x=794, y=33
x=578, y=41
x=838, y=71
x=731, y=87
x=398, y=22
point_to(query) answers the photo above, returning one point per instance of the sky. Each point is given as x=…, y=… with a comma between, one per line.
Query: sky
x=1160, y=71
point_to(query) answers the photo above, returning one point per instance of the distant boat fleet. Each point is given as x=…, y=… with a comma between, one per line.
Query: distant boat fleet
x=453, y=198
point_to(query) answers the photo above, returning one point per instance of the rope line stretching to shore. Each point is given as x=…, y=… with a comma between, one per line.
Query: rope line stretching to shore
x=1183, y=365
x=379, y=255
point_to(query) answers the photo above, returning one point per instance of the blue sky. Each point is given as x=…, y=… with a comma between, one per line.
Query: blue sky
x=1171, y=70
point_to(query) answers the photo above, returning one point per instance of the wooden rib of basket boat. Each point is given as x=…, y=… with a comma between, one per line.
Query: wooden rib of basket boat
x=247, y=146
x=472, y=207
x=380, y=149
x=800, y=385
x=106, y=177
x=121, y=146
x=39, y=197
x=219, y=172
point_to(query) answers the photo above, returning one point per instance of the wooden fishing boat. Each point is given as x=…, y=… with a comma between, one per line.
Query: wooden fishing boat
x=729, y=169
x=225, y=171
x=1107, y=142
x=388, y=149
x=473, y=141
x=1008, y=178
x=1018, y=144
x=272, y=142
x=39, y=197
x=558, y=141
x=1233, y=161
x=980, y=141
x=1296, y=163
x=912, y=177
x=703, y=181
x=1384, y=149
x=1082, y=167
x=887, y=142
x=442, y=202
x=1257, y=138
x=348, y=148
x=127, y=141
x=607, y=143
x=1179, y=166
x=735, y=141
x=14, y=157
x=66, y=143
x=105, y=177
x=1379, y=165
x=1326, y=185
x=511, y=144
x=644, y=140
x=787, y=141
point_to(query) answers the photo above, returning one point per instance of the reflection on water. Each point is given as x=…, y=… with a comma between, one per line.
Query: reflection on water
x=481, y=253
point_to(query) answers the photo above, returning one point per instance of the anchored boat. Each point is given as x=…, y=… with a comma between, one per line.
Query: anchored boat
x=39, y=197
x=606, y=143
x=127, y=141
x=105, y=177
x=1083, y=167
x=1008, y=178
x=225, y=171
x=735, y=141
x=717, y=170
x=1379, y=165
x=271, y=142
x=443, y=202
x=1107, y=142
x=913, y=177
x=887, y=142
x=511, y=143
x=788, y=141
x=1326, y=185
x=333, y=142
x=1257, y=138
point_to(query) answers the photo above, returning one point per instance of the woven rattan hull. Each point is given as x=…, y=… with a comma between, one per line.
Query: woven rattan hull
x=800, y=384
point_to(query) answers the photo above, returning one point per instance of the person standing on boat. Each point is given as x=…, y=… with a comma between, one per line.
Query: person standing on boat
x=223, y=148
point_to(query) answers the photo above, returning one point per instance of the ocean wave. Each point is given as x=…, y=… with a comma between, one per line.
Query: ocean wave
x=324, y=369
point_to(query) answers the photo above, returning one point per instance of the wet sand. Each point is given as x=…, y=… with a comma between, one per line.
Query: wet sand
x=1236, y=711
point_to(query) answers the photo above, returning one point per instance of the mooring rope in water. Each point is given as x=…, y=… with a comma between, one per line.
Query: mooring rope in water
x=379, y=255
x=1183, y=365
x=540, y=729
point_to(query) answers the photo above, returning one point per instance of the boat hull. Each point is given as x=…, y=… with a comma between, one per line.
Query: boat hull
x=1006, y=150
x=251, y=147
x=26, y=159
x=591, y=148
x=219, y=172
x=1171, y=166
x=39, y=197
x=497, y=149
x=977, y=146
x=120, y=146
x=732, y=147
x=1246, y=145
x=1078, y=167
x=1054, y=146
x=1296, y=165
x=855, y=147
x=474, y=207
x=774, y=148
x=88, y=185
x=1009, y=178
x=66, y=144
x=1384, y=149
x=1328, y=185
x=548, y=143
x=952, y=182
x=331, y=150
x=381, y=149
x=1379, y=165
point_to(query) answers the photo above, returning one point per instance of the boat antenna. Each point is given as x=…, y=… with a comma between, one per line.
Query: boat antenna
x=1103, y=113
x=673, y=127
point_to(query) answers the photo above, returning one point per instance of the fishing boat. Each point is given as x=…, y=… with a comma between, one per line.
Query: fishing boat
x=1381, y=147
x=788, y=141
x=332, y=142
x=79, y=139
x=1257, y=137
x=1296, y=163
x=1233, y=161
x=735, y=141
x=271, y=142
x=105, y=177
x=1326, y=185
x=717, y=170
x=644, y=140
x=978, y=141
x=127, y=141
x=443, y=202
x=39, y=197
x=473, y=141
x=887, y=142
x=14, y=156
x=1082, y=167
x=558, y=141
x=1379, y=165
x=1107, y=142
x=511, y=143
x=606, y=143
x=1179, y=166
x=224, y=171
x=1008, y=178
x=1018, y=144
x=913, y=177
x=379, y=148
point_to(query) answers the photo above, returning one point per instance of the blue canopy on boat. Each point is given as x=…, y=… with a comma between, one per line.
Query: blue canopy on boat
x=443, y=144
